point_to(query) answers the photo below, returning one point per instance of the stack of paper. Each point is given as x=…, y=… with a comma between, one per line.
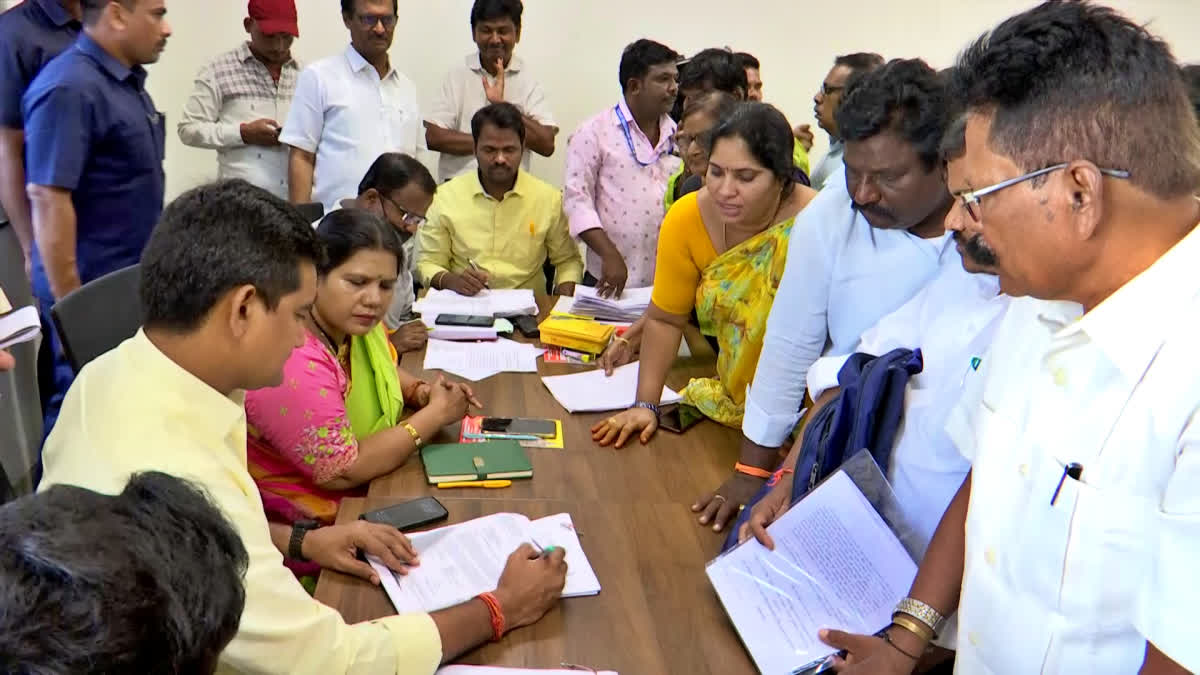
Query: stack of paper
x=836, y=564
x=479, y=360
x=19, y=326
x=461, y=561
x=488, y=302
x=592, y=391
x=629, y=307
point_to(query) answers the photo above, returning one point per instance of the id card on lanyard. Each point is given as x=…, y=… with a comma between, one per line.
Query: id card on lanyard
x=629, y=140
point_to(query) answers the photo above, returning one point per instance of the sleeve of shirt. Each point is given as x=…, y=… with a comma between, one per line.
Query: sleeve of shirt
x=58, y=132
x=562, y=250
x=284, y=630
x=797, y=330
x=306, y=117
x=582, y=175
x=676, y=274
x=200, y=124
x=433, y=244
x=13, y=81
x=1165, y=614
x=537, y=108
x=444, y=111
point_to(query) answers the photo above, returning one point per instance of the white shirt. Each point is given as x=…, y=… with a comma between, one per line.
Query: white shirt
x=830, y=165
x=952, y=320
x=236, y=88
x=405, y=295
x=842, y=276
x=348, y=116
x=462, y=96
x=1079, y=585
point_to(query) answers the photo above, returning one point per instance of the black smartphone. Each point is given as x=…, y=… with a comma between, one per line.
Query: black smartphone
x=528, y=326
x=409, y=515
x=679, y=418
x=465, y=320
x=520, y=426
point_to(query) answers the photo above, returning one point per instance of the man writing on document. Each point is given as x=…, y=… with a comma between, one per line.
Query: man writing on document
x=1071, y=545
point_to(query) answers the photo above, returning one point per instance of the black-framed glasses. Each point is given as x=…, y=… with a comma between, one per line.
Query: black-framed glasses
x=827, y=90
x=368, y=21
x=407, y=217
x=972, y=199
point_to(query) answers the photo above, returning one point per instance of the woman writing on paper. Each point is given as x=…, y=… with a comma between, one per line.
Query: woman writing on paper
x=721, y=252
x=337, y=420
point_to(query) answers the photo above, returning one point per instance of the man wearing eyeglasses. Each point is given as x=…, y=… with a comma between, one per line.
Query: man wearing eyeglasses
x=399, y=189
x=348, y=108
x=825, y=104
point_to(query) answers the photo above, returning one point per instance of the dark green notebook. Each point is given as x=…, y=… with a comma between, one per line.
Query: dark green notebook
x=491, y=460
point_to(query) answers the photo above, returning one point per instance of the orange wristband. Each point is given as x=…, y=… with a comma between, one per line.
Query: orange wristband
x=751, y=470
x=493, y=606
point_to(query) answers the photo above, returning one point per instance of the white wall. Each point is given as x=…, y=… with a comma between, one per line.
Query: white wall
x=574, y=46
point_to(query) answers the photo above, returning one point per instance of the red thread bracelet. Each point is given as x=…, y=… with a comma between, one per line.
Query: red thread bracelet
x=778, y=476
x=751, y=470
x=493, y=606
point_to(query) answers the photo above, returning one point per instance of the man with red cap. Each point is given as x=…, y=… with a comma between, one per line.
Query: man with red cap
x=241, y=99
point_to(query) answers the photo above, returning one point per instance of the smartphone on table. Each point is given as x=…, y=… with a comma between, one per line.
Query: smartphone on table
x=679, y=418
x=408, y=515
x=520, y=426
x=465, y=320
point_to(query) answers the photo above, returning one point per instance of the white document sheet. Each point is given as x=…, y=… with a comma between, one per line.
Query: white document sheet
x=461, y=561
x=498, y=670
x=835, y=565
x=20, y=326
x=488, y=302
x=592, y=391
x=478, y=360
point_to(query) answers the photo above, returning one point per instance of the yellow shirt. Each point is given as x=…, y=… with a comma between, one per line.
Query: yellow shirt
x=509, y=238
x=133, y=409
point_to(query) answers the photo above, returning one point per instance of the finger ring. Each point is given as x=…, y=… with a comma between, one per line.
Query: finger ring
x=721, y=497
x=612, y=420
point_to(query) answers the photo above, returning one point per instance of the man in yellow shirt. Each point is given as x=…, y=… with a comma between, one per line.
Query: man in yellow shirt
x=227, y=279
x=495, y=227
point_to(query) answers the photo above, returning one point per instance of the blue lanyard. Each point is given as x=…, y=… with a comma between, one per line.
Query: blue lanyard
x=629, y=139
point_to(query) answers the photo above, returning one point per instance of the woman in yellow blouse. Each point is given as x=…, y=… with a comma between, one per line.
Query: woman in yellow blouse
x=721, y=252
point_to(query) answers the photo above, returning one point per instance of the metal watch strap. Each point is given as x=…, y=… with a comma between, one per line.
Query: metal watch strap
x=648, y=406
x=296, y=542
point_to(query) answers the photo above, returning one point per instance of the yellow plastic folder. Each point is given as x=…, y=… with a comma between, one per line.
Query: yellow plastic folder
x=578, y=334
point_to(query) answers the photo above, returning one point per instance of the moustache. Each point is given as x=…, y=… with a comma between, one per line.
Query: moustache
x=873, y=210
x=977, y=249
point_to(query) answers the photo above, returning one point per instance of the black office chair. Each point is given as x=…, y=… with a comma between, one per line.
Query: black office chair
x=312, y=211
x=99, y=316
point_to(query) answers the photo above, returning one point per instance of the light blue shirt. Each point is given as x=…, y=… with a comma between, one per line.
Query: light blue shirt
x=842, y=276
x=830, y=165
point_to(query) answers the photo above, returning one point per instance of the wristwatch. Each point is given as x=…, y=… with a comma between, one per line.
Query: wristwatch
x=648, y=406
x=295, y=544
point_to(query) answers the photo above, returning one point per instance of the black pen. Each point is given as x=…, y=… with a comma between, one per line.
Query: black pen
x=1074, y=470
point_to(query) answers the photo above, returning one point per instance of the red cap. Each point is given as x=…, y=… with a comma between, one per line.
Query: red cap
x=275, y=16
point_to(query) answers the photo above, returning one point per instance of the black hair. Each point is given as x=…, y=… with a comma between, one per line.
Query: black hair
x=859, y=62
x=715, y=69
x=766, y=133
x=347, y=231
x=1191, y=77
x=747, y=60
x=639, y=57
x=93, y=8
x=490, y=10
x=904, y=96
x=954, y=141
x=1075, y=80
x=717, y=105
x=348, y=7
x=214, y=238
x=392, y=171
x=499, y=115
x=147, y=581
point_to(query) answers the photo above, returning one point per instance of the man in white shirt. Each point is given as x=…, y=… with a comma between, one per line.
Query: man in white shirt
x=349, y=108
x=825, y=105
x=491, y=75
x=859, y=250
x=240, y=98
x=1071, y=547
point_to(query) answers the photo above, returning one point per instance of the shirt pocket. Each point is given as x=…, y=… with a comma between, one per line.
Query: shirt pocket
x=401, y=121
x=134, y=146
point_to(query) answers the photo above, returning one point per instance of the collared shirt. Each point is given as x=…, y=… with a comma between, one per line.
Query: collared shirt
x=509, y=238
x=462, y=96
x=405, y=295
x=133, y=410
x=32, y=33
x=842, y=276
x=608, y=187
x=1079, y=582
x=830, y=165
x=232, y=90
x=348, y=116
x=91, y=128
x=952, y=319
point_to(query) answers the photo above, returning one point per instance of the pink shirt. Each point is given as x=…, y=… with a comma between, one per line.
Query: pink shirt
x=606, y=187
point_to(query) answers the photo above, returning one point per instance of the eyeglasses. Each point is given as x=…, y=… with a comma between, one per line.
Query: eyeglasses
x=407, y=217
x=827, y=90
x=368, y=21
x=971, y=199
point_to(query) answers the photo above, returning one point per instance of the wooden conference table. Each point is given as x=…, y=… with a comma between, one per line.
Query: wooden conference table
x=657, y=612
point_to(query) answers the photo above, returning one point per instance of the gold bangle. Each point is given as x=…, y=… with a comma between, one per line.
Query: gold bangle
x=416, y=435
x=433, y=281
x=618, y=338
x=913, y=626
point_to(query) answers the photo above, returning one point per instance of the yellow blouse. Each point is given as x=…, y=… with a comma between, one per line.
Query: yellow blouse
x=684, y=251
